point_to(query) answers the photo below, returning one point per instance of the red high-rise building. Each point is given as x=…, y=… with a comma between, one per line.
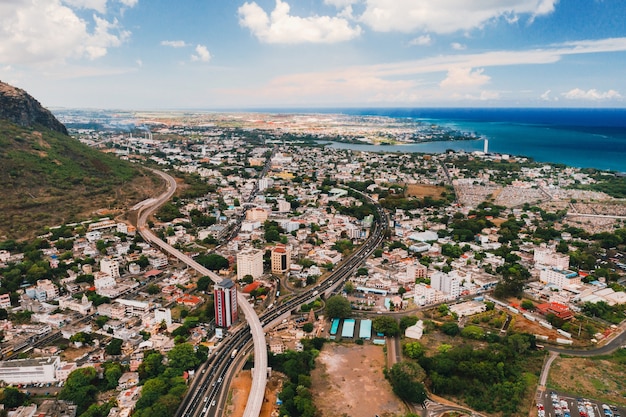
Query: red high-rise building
x=225, y=295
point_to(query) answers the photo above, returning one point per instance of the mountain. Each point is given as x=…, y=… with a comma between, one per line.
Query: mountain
x=50, y=178
x=17, y=106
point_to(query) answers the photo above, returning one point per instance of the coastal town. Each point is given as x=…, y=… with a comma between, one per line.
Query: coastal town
x=265, y=203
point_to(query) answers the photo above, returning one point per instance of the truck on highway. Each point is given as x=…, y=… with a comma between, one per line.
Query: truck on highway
x=234, y=353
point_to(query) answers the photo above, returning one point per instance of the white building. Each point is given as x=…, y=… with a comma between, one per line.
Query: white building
x=110, y=266
x=250, y=262
x=424, y=295
x=446, y=283
x=135, y=308
x=559, y=277
x=548, y=257
x=102, y=280
x=28, y=371
x=163, y=315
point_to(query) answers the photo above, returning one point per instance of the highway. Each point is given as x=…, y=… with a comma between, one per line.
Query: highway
x=259, y=376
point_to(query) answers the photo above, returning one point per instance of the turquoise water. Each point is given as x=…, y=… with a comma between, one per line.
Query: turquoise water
x=577, y=137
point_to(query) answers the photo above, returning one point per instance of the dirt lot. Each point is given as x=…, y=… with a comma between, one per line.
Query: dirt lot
x=238, y=396
x=600, y=379
x=349, y=381
x=423, y=190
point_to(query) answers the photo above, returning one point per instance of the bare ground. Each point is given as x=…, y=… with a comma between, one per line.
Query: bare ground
x=424, y=190
x=348, y=382
x=599, y=379
x=240, y=388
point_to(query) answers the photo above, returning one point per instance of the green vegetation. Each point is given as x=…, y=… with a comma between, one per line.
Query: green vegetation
x=296, y=395
x=491, y=379
x=212, y=261
x=338, y=307
x=613, y=314
x=51, y=178
x=406, y=381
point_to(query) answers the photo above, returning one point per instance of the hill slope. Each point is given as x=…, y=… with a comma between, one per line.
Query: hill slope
x=50, y=178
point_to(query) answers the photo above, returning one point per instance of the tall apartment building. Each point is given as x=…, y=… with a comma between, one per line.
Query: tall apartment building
x=281, y=259
x=446, y=283
x=110, y=267
x=225, y=299
x=250, y=262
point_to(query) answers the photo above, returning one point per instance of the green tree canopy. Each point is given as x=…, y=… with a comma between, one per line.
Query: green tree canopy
x=338, y=307
x=386, y=325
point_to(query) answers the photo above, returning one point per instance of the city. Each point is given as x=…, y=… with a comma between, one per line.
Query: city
x=474, y=243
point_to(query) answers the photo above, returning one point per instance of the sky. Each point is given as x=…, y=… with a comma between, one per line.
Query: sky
x=264, y=54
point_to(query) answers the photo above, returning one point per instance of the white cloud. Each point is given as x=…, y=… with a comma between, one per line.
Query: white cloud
x=139, y=63
x=464, y=77
x=174, y=44
x=592, y=94
x=202, y=54
x=447, y=16
x=46, y=31
x=281, y=27
x=97, y=5
x=397, y=81
x=458, y=46
x=341, y=3
x=423, y=40
x=129, y=3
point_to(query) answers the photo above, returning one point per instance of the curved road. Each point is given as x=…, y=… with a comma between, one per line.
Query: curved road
x=259, y=376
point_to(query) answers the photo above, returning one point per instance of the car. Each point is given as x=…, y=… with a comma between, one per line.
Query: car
x=206, y=399
x=213, y=403
x=219, y=379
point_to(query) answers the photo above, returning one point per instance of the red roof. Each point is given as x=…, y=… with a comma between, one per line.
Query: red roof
x=251, y=287
x=152, y=273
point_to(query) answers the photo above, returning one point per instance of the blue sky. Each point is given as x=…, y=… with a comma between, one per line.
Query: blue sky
x=235, y=54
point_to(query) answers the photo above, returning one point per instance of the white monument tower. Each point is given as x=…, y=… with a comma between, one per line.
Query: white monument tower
x=486, y=146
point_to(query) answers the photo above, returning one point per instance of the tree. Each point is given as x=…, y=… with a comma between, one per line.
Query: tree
x=183, y=357
x=12, y=397
x=405, y=379
x=203, y=283
x=79, y=389
x=153, y=289
x=386, y=325
x=349, y=287
x=414, y=350
x=112, y=373
x=213, y=261
x=114, y=347
x=338, y=307
x=450, y=328
x=307, y=327
x=248, y=279
x=407, y=321
x=528, y=305
x=473, y=332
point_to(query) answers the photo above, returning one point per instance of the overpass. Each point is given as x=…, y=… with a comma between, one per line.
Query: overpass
x=259, y=376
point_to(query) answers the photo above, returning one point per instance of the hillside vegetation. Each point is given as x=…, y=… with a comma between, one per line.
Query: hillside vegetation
x=50, y=179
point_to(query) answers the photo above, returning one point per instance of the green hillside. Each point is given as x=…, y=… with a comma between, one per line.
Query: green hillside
x=50, y=179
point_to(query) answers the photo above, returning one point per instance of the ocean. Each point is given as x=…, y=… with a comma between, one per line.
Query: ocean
x=585, y=138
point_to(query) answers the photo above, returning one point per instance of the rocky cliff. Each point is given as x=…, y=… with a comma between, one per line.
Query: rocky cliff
x=18, y=107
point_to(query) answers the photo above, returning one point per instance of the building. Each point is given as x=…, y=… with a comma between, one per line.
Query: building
x=110, y=267
x=225, y=299
x=135, y=308
x=280, y=259
x=446, y=283
x=5, y=301
x=28, y=371
x=163, y=315
x=559, y=277
x=257, y=214
x=250, y=262
x=547, y=256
